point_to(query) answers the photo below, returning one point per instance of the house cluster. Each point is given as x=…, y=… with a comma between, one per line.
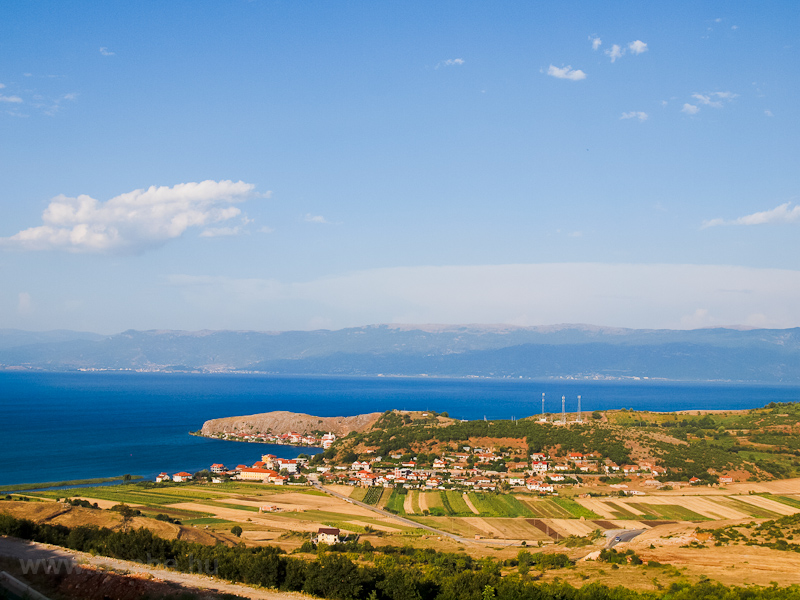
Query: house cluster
x=270, y=469
x=291, y=438
x=474, y=468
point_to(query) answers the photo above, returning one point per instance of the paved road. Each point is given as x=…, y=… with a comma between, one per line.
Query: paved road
x=624, y=535
x=398, y=518
x=16, y=548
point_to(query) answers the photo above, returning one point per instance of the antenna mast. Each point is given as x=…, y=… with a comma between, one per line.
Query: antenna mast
x=563, y=409
x=580, y=420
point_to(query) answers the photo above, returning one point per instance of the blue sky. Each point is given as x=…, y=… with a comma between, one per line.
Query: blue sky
x=287, y=165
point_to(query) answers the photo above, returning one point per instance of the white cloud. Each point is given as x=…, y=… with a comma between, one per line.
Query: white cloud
x=220, y=231
x=131, y=222
x=596, y=42
x=566, y=73
x=266, y=229
x=309, y=218
x=642, y=116
x=714, y=99
x=637, y=47
x=615, y=52
x=625, y=295
x=707, y=100
x=690, y=109
x=450, y=62
x=11, y=99
x=768, y=112
x=106, y=52
x=780, y=214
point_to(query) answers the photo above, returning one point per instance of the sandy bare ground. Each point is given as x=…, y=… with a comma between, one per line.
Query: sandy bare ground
x=385, y=528
x=423, y=502
x=573, y=526
x=470, y=505
x=302, y=502
x=516, y=529
x=104, y=504
x=484, y=526
x=762, y=502
x=782, y=486
x=597, y=506
x=344, y=490
x=700, y=504
x=15, y=548
x=623, y=524
x=408, y=503
x=270, y=520
x=734, y=565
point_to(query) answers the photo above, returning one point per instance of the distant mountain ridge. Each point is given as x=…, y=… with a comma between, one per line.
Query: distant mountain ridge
x=554, y=351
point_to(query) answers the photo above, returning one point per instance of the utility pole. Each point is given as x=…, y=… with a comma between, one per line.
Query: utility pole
x=580, y=420
x=563, y=409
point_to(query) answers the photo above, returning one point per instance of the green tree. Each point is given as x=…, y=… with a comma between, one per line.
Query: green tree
x=236, y=530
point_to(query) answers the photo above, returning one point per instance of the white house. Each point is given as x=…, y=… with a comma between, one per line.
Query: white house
x=327, y=535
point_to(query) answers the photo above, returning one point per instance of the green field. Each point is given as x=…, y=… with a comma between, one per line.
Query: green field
x=395, y=503
x=454, y=505
x=415, y=502
x=205, y=521
x=787, y=500
x=494, y=505
x=620, y=512
x=576, y=510
x=373, y=496
x=358, y=494
x=74, y=482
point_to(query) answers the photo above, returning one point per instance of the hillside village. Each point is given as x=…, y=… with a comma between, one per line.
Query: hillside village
x=470, y=468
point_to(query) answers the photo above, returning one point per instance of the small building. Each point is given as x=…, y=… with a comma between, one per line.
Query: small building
x=162, y=477
x=217, y=468
x=327, y=535
x=255, y=474
x=725, y=479
x=181, y=477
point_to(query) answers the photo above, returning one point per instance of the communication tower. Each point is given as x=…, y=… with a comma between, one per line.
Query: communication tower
x=563, y=409
x=579, y=419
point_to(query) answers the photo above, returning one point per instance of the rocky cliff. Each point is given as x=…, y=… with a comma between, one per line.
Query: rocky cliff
x=282, y=421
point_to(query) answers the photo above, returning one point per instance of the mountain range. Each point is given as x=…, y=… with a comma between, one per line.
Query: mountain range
x=558, y=351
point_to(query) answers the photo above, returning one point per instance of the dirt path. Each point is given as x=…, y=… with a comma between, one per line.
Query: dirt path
x=470, y=505
x=408, y=503
x=423, y=502
x=14, y=548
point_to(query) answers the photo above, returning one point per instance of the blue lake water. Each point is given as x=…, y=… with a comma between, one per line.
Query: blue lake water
x=60, y=426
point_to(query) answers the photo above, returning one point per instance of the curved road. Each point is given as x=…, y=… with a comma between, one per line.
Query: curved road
x=624, y=535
